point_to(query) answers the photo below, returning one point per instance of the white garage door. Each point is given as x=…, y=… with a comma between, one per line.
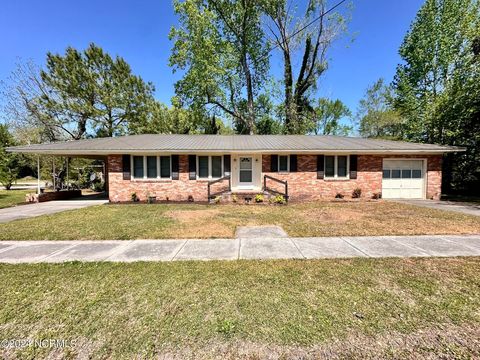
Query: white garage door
x=403, y=179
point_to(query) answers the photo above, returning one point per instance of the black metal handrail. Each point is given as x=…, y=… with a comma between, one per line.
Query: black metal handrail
x=283, y=182
x=210, y=183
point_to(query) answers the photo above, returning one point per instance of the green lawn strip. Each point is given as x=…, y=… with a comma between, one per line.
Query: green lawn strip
x=143, y=221
x=123, y=310
x=13, y=197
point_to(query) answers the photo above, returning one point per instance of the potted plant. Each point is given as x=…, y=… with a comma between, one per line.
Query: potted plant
x=151, y=199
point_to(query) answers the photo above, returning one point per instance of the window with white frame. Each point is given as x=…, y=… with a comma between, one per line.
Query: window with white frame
x=152, y=167
x=336, y=167
x=210, y=166
x=283, y=163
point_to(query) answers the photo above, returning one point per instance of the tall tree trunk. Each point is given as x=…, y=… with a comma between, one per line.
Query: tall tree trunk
x=289, y=104
x=250, y=102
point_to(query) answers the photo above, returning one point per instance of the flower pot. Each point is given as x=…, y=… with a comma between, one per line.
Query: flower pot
x=152, y=199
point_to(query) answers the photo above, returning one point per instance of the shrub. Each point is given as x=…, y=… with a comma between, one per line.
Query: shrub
x=377, y=196
x=190, y=198
x=134, y=197
x=339, y=196
x=98, y=187
x=259, y=198
x=357, y=193
x=278, y=199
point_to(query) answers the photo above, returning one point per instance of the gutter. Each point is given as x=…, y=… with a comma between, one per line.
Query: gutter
x=80, y=153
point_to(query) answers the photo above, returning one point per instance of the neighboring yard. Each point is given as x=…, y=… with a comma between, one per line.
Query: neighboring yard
x=394, y=308
x=13, y=197
x=158, y=221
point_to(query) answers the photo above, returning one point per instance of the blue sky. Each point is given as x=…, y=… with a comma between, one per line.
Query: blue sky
x=138, y=31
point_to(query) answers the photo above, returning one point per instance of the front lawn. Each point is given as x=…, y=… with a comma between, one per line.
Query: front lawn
x=13, y=197
x=364, y=308
x=158, y=221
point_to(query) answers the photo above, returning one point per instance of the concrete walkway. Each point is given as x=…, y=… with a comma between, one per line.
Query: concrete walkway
x=240, y=248
x=50, y=207
x=462, y=207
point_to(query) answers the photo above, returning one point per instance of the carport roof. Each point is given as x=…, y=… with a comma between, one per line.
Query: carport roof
x=150, y=143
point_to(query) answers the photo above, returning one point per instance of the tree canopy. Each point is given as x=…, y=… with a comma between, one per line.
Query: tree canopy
x=224, y=49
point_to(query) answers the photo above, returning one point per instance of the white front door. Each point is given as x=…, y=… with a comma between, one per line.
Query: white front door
x=403, y=179
x=245, y=171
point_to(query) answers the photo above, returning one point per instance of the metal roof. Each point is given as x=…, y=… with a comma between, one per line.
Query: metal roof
x=229, y=143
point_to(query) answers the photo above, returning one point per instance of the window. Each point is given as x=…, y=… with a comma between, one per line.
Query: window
x=386, y=174
x=416, y=174
x=341, y=166
x=336, y=167
x=406, y=174
x=138, y=167
x=396, y=174
x=151, y=167
x=283, y=163
x=210, y=167
x=203, y=167
x=216, y=166
x=165, y=167
x=329, y=166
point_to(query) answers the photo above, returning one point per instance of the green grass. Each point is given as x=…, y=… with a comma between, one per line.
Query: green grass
x=13, y=197
x=211, y=308
x=216, y=221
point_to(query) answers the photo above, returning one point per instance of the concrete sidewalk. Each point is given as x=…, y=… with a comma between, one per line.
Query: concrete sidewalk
x=241, y=248
x=44, y=208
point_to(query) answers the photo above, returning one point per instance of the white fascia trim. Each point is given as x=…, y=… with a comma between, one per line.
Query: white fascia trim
x=80, y=153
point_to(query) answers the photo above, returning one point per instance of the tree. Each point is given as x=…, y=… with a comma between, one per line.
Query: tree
x=432, y=52
x=314, y=32
x=9, y=163
x=375, y=114
x=161, y=119
x=221, y=48
x=20, y=109
x=92, y=86
x=436, y=88
x=76, y=93
x=327, y=116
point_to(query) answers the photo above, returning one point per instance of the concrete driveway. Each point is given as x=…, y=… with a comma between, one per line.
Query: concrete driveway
x=50, y=207
x=462, y=207
x=240, y=248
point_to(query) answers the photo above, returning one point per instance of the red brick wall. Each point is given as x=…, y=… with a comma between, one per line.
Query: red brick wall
x=176, y=190
x=303, y=184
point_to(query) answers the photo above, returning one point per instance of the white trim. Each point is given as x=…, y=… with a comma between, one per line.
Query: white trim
x=335, y=168
x=81, y=153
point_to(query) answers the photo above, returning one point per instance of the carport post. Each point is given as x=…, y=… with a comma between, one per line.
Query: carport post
x=53, y=174
x=68, y=183
x=38, y=174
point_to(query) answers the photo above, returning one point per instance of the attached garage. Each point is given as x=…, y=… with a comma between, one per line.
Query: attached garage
x=403, y=179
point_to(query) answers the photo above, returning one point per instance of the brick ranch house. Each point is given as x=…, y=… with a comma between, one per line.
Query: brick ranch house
x=196, y=167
